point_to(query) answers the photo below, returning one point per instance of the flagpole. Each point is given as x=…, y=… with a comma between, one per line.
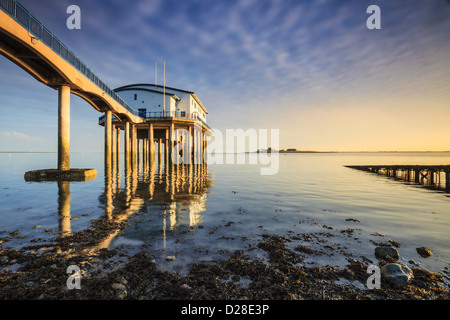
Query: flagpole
x=164, y=90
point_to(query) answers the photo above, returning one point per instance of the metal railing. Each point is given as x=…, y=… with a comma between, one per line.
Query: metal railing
x=16, y=11
x=167, y=114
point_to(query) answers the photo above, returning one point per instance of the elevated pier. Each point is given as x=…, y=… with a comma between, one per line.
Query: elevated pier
x=29, y=44
x=436, y=176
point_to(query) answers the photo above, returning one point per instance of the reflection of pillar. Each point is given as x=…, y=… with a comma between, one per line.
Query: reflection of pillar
x=108, y=194
x=118, y=150
x=108, y=130
x=113, y=145
x=64, y=208
x=144, y=150
x=152, y=178
x=64, y=128
x=197, y=146
x=138, y=150
x=151, y=141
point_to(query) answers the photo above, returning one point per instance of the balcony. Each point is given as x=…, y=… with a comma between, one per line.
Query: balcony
x=165, y=115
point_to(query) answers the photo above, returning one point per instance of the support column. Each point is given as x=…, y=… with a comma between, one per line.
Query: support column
x=133, y=143
x=171, y=142
x=447, y=180
x=64, y=128
x=127, y=142
x=189, y=147
x=108, y=130
x=160, y=151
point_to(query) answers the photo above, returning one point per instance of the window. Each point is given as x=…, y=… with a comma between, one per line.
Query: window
x=135, y=96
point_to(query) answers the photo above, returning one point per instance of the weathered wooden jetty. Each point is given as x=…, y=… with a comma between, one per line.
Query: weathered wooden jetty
x=437, y=176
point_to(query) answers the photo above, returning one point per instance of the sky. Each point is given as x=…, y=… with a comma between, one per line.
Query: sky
x=311, y=69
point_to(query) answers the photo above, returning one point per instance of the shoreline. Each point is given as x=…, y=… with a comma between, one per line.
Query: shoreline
x=39, y=272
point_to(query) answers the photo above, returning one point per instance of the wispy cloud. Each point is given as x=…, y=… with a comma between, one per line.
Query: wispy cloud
x=18, y=136
x=257, y=58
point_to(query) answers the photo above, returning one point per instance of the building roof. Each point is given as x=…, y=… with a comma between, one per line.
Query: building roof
x=152, y=87
x=149, y=90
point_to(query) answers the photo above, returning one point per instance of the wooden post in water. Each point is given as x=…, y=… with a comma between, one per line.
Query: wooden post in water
x=447, y=180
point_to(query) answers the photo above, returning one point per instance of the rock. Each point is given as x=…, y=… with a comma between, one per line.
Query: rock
x=170, y=258
x=385, y=252
x=185, y=286
x=118, y=286
x=397, y=274
x=424, y=252
x=44, y=250
x=4, y=260
x=413, y=262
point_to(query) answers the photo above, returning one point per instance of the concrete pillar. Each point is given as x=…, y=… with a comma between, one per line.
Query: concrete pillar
x=108, y=131
x=133, y=144
x=64, y=128
x=160, y=151
x=447, y=180
x=118, y=148
x=189, y=147
x=167, y=154
x=171, y=142
x=127, y=142
x=138, y=150
x=113, y=145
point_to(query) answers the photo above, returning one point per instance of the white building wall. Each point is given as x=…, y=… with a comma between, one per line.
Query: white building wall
x=153, y=101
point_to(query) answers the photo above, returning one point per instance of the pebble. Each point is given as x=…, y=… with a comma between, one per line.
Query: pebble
x=44, y=250
x=424, y=252
x=384, y=252
x=118, y=286
x=170, y=258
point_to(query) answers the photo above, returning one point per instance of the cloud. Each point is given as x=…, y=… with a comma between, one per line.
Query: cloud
x=18, y=136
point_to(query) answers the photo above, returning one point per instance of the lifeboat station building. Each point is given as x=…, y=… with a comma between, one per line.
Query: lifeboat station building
x=163, y=110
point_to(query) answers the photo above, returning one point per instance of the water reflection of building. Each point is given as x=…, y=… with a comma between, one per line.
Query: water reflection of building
x=165, y=196
x=169, y=195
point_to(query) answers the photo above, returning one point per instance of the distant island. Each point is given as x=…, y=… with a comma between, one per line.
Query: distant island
x=291, y=150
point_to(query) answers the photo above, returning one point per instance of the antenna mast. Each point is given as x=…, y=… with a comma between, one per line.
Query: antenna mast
x=164, y=90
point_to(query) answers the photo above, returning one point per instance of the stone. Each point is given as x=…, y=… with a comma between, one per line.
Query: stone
x=170, y=258
x=185, y=286
x=385, y=252
x=118, y=286
x=424, y=252
x=398, y=274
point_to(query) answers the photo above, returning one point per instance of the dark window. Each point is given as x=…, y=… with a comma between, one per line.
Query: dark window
x=135, y=96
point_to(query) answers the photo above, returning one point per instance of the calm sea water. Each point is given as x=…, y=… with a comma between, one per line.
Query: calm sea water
x=200, y=212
